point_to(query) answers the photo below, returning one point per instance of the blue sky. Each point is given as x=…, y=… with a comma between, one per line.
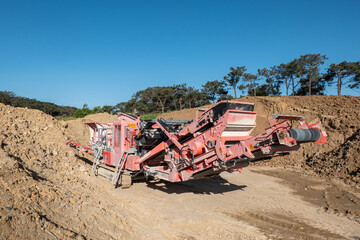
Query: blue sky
x=101, y=52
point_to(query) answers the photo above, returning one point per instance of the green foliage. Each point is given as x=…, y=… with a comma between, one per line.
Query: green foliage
x=345, y=73
x=6, y=97
x=214, y=89
x=177, y=99
x=11, y=99
x=272, y=84
x=317, y=86
x=150, y=116
x=233, y=78
x=225, y=97
x=161, y=96
x=308, y=67
x=161, y=99
x=261, y=90
x=250, y=83
x=120, y=107
x=107, y=109
x=85, y=110
x=194, y=98
x=82, y=112
x=302, y=75
x=287, y=74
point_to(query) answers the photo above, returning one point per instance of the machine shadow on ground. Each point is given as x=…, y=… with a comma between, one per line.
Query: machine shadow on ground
x=85, y=159
x=211, y=185
x=214, y=185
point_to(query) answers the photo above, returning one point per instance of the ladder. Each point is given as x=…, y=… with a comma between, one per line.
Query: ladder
x=98, y=153
x=119, y=172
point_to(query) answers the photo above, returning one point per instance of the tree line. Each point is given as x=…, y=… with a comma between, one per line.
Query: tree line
x=10, y=98
x=301, y=76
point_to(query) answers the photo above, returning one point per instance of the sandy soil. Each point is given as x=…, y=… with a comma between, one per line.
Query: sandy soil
x=250, y=205
x=47, y=191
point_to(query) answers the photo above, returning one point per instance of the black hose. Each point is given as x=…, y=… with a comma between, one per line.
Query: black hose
x=192, y=162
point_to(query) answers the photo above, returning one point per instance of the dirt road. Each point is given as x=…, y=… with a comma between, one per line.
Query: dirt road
x=250, y=205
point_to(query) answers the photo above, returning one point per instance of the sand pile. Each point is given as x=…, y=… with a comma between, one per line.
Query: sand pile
x=342, y=162
x=339, y=116
x=32, y=158
x=31, y=204
x=79, y=132
x=33, y=137
x=43, y=183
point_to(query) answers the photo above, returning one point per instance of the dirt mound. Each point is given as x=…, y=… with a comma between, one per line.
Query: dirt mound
x=339, y=116
x=41, y=180
x=342, y=162
x=79, y=132
x=32, y=136
x=24, y=196
x=31, y=146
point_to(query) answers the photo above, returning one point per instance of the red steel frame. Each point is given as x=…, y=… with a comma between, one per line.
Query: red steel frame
x=224, y=146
